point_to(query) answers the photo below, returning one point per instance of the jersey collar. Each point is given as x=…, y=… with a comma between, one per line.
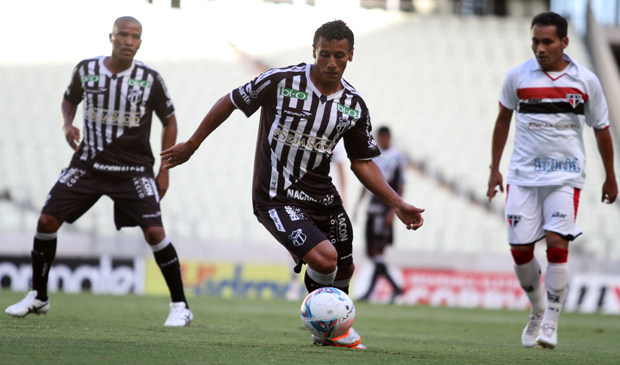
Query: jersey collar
x=104, y=70
x=571, y=70
x=316, y=91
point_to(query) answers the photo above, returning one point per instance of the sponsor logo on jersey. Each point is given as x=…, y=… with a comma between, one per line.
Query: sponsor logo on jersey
x=555, y=165
x=574, y=99
x=297, y=237
x=134, y=97
x=348, y=111
x=561, y=126
x=302, y=114
x=143, y=186
x=273, y=214
x=303, y=196
x=112, y=117
x=300, y=140
x=292, y=93
x=254, y=93
x=295, y=213
x=558, y=215
x=513, y=220
x=244, y=95
x=153, y=215
x=340, y=229
x=141, y=83
x=90, y=78
x=95, y=90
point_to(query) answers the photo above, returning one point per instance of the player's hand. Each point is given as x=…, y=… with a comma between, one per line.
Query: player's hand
x=495, y=179
x=72, y=134
x=177, y=155
x=410, y=215
x=610, y=190
x=163, y=181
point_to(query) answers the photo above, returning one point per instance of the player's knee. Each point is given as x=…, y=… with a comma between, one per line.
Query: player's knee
x=48, y=224
x=154, y=235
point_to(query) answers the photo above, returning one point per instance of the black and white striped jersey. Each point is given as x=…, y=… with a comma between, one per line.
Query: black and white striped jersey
x=118, y=110
x=299, y=129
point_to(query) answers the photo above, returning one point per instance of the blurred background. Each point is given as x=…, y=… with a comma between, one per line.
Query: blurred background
x=430, y=70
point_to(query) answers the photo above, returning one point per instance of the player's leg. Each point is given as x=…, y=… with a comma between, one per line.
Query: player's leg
x=525, y=227
x=560, y=210
x=322, y=262
x=136, y=203
x=168, y=262
x=72, y=195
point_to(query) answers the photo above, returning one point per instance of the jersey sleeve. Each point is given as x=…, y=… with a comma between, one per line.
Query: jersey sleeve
x=595, y=108
x=508, y=97
x=75, y=91
x=160, y=99
x=251, y=96
x=358, y=141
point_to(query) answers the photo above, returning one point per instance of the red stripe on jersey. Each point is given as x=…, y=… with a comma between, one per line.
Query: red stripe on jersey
x=576, y=200
x=549, y=93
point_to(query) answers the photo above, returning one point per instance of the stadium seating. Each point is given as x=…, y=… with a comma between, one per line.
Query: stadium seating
x=433, y=79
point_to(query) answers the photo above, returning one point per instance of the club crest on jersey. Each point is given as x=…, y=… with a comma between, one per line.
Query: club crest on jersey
x=513, y=220
x=343, y=124
x=134, y=97
x=574, y=99
x=297, y=237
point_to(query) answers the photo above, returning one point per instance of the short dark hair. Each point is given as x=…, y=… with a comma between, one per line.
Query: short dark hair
x=335, y=30
x=551, y=18
x=383, y=130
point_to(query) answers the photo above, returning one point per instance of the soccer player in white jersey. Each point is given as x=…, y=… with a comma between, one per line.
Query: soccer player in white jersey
x=554, y=98
x=120, y=95
x=305, y=110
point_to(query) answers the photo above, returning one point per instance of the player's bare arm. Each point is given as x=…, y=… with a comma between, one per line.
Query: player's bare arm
x=369, y=174
x=500, y=135
x=182, y=152
x=606, y=149
x=72, y=134
x=168, y=139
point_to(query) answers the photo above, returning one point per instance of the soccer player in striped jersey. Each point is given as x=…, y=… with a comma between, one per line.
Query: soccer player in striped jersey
x=305, y=110
x=554, y=98
x=114, y=159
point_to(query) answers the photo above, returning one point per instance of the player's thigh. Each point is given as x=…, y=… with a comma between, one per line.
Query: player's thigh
x=560, y=211
x=524, y=215
x=74, y=193
x=339, y=230
x=293, y=228
x=136, y=201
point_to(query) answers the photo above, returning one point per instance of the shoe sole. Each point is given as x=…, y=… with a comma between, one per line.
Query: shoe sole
x=546, y=345
x=37, y=311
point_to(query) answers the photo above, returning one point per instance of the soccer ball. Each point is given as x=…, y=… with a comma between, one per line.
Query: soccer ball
x=327, y=313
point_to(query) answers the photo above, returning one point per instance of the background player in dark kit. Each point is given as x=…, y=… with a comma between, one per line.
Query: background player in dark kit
x=379, y=216
x=114, y=159
x=305, y=110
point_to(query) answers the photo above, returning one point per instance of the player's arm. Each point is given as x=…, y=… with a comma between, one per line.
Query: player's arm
x=606, y=149
x=72, y=134
x=371, y=177
x=168, y=139
x=500, y=135
x=182, y=152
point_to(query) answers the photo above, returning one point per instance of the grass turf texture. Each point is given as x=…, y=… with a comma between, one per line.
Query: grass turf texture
x=91, y=329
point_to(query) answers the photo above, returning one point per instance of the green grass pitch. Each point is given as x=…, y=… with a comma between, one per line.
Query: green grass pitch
x=91, y=329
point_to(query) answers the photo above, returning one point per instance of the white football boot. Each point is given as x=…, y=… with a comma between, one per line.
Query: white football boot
x=548, y=337
x=30, y=304
x=531, y=331
x=179, y=316
x=351, y=339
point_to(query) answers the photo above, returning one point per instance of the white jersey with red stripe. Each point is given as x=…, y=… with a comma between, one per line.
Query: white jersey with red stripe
x=551, y=112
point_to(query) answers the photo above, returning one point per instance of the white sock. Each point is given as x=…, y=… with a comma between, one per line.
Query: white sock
x=160, y=246
x=323, y=279
x=556, y=282
x=529, y=277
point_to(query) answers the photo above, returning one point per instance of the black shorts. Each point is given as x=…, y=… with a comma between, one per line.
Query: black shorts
x=299, y=231
x=136, y=199
x=377, y=234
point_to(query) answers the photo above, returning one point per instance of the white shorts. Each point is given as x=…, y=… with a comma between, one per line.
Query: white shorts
x=532, y=210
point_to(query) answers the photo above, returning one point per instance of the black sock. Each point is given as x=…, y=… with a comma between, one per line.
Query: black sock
x=378, y=271
x=312, y=285
x=168, y=262
x=43, y=253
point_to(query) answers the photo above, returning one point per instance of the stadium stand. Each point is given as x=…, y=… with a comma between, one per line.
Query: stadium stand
x=434, y=79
